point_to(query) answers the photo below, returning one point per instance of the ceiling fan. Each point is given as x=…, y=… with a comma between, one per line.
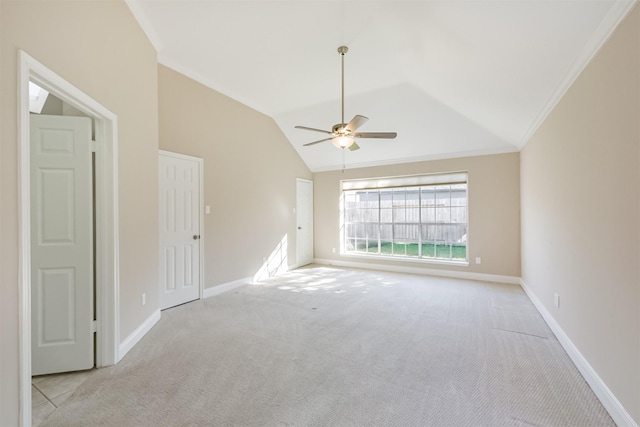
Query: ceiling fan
x=343, y=134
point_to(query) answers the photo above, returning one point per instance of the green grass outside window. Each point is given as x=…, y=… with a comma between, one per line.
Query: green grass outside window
x=429, y=250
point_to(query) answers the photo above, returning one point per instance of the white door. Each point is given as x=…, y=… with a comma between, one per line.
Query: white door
x=61, y=244
x=304, y=220
x=180, y=240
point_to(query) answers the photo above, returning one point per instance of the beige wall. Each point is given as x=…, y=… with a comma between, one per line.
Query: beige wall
x=494, y=212
x=99, y=48
x=580, y=214
x=250, y=172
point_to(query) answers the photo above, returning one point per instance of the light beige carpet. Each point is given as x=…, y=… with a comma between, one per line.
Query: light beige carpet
x=334, y=347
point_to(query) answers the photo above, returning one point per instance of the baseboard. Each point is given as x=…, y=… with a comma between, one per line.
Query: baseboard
x=512, y=280
x=136, y=336
x=298, y=265
x=620, y=416
x=225, y=287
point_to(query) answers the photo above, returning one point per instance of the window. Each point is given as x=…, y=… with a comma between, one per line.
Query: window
x=422, y=217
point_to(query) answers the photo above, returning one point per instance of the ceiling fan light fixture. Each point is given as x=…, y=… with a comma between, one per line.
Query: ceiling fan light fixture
x=344, y=141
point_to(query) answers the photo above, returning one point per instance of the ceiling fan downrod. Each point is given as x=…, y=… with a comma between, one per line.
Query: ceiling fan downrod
x=342, y=50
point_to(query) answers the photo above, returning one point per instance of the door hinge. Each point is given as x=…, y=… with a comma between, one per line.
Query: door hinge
x=94, y=146
x=94, y=326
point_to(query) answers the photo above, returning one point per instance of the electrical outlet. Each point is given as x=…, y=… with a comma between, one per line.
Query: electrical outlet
x=144, y=299
x=478, y=260
x=333, y=250
x=556, y=300
x=207, y=209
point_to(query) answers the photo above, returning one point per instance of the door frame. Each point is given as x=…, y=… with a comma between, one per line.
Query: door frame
x=106, y=219
x=298, y=262
x=200, y=161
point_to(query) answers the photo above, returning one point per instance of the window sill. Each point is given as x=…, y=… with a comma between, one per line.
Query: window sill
x=408, y=260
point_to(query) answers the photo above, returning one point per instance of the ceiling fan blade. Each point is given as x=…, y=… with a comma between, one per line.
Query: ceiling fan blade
x=380, y=135
x=316, y=142
x=356, y=122
x=313, y=129
x=354, y=147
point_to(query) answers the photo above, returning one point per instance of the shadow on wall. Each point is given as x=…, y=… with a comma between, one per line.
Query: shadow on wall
x=275, y=264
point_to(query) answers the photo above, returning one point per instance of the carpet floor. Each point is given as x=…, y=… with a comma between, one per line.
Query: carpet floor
x=324, y=346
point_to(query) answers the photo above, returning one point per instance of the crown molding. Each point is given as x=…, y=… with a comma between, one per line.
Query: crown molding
x=607, y=26
x=417, y=159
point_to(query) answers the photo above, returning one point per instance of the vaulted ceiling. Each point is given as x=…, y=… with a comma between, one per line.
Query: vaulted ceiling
x=452, y=78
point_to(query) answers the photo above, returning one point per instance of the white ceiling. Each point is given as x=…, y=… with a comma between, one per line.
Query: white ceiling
x=453, y=78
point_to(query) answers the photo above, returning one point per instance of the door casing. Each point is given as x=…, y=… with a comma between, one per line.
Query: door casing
x=106, y=231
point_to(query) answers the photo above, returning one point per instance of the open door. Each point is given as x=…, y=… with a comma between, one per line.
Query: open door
x=62, y=309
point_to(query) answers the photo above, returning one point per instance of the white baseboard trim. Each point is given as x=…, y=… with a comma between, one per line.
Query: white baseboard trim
x=298, y=265
x=620, y=416
x=136, y=336
x=512, y=280
x=225, y=287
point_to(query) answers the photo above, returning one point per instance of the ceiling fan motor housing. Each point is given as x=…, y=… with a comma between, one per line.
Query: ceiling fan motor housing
x=340, y=129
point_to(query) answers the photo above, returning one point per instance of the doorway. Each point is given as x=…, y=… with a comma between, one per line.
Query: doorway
x=106, y=220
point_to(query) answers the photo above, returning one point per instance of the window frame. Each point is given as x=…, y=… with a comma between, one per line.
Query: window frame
x=405, y=185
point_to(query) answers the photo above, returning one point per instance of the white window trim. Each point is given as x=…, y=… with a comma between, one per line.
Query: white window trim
x=450, y=178
x=405, y=181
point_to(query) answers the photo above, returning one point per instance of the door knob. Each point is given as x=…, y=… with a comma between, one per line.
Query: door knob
x=196, y=236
